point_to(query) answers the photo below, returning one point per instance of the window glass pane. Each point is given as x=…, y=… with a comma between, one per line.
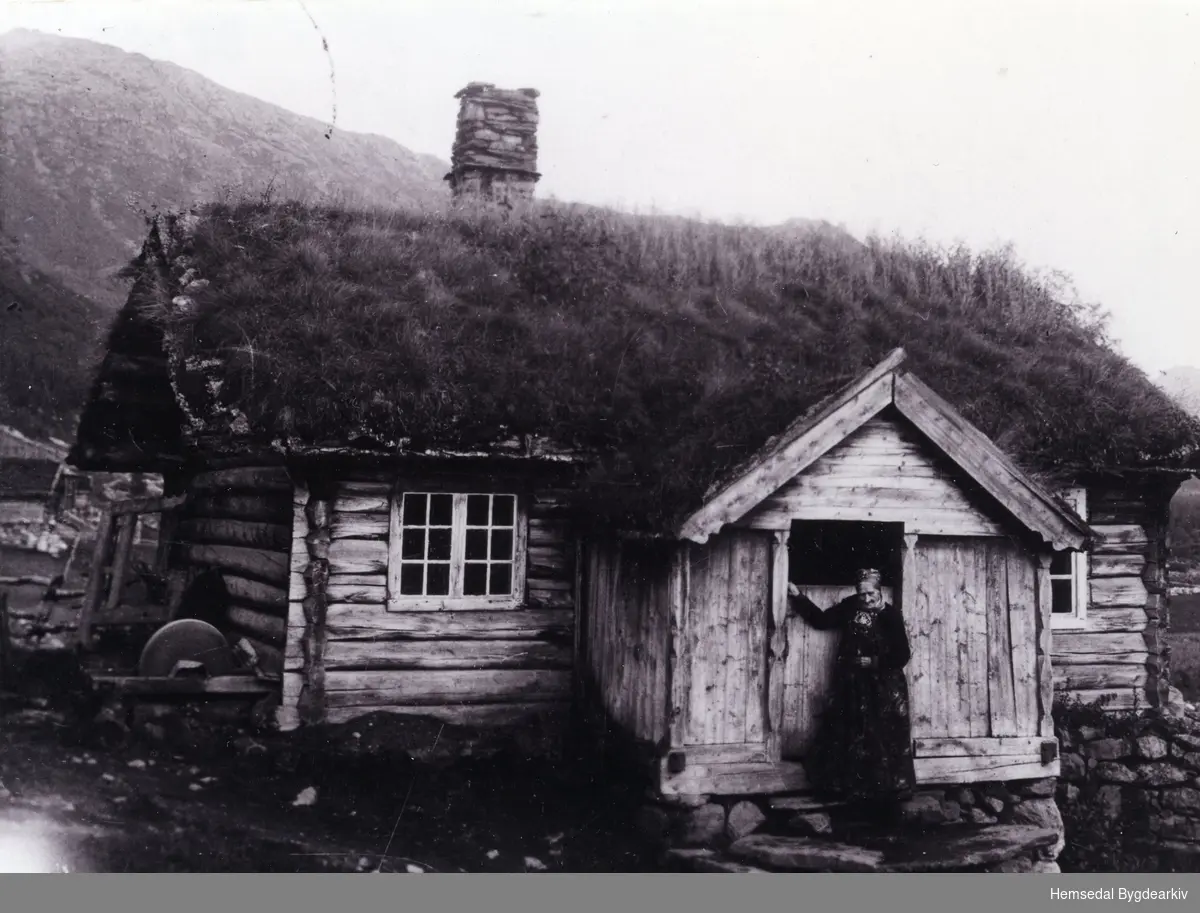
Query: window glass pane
x=1060, y=564
x=501, y=582
x=475, y=580
x=502, y=544
x=439, y=580
x=412, y=578
x=439, y=544
x=477, y=510
x=503, y=510
x=476, y=544
x=413, y=545
x=441, y=510
x=1060, y=591
x=414, y=510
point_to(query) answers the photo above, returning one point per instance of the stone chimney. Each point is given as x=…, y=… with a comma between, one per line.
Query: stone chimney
x=495, y=149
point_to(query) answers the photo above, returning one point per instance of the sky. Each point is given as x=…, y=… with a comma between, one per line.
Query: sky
x=1070, y=130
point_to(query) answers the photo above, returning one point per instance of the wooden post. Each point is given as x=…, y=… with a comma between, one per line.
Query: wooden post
x=126, y=527
x=908, y=574
x=95, y=586
x=1044, y=672
x=777, y=645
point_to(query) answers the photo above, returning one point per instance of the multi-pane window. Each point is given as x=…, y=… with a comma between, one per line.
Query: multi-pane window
x=1069, y=575
x=454, y=549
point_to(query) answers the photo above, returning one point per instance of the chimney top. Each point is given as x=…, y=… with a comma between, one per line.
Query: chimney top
x=495, y=148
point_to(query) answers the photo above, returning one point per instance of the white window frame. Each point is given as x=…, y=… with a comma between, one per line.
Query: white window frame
x=1080, y=572
x=397, y=602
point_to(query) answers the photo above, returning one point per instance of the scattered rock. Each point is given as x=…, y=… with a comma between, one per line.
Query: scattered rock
x=107, y=778
x=709, y=861
x=1042, y=813
x=924, y=809
x=811, y=824
x=1151, y=747
x=701, y=825
x=1090, y=733
x=195, y=787
x=307, y=797
x=4, y=792
x=965, y=798
x=1040, y=788
x=951, y=811
x=744, y=818
x=1071, y=793
x=207, y=780
x=1045, y=867
x=492, y=854
x=533, y=864
x=154, y=732
x=414, y=869
x=120, y=800
x=554, y=839
x=137, y=764
x=996, y=806
x=977, y=815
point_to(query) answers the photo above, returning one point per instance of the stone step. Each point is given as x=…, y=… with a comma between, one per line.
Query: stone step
x=947, y=849
x=709, y=861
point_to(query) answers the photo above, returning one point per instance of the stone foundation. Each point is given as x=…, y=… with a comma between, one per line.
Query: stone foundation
x=721, y=824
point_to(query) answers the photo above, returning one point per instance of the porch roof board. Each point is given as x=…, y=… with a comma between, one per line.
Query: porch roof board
x=831, y=422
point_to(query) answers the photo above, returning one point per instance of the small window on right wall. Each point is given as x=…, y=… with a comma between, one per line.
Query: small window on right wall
x=1069, y=575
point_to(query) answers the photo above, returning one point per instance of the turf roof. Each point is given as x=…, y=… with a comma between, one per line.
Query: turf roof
x=669, y=349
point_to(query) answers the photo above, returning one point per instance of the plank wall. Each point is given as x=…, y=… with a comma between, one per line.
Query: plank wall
x=881, y=473
x=628, y=633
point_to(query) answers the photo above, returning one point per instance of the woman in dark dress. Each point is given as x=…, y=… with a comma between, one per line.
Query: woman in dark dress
x=863, y=750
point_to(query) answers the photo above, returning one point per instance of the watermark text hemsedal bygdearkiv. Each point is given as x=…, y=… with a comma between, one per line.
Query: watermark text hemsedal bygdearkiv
x=1119, y=894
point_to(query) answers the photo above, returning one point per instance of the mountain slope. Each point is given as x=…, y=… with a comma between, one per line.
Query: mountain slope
x=48, y=346
x=91, y=132
x=88, y=135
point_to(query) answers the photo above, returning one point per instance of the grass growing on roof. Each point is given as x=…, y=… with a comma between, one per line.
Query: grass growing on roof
x=674, y=347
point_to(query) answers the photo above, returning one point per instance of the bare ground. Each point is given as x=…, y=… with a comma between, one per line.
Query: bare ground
x=224, y=803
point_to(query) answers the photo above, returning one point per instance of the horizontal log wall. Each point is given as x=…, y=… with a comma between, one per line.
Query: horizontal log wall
x=238, y=521
x=628, y=630
x=477, y=667
x=1118, y=652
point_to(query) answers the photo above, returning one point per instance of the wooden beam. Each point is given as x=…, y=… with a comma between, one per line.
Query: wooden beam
x=146, y=505
x=1027, y=747
x=800, y=448
x=384, y=655
x=734, y=779
x=955, y=770
x=474, y=715
x=149, y=686
x=126, y=526
x=777, y=645
x=356, y=622
x=990, y=468
x=469, y=686
x=1045, y=676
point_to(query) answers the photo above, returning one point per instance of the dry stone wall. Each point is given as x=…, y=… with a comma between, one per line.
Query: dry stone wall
x=1133, y=785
